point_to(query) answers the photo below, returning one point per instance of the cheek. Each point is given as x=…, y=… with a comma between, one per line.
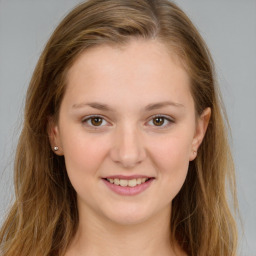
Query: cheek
x=83, y=154
x=172, y=160
x=172, y=150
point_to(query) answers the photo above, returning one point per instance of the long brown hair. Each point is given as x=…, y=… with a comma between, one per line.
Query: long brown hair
x=44, y=217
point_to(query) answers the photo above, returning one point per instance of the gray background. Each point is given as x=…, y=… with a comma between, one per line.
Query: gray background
x=229, y=28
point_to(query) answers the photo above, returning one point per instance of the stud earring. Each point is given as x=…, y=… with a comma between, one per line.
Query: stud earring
x=56, y=148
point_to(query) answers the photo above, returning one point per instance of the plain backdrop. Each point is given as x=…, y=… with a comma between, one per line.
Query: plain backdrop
x=228, y=27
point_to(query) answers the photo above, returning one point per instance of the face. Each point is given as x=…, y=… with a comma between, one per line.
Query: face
x=127, y=129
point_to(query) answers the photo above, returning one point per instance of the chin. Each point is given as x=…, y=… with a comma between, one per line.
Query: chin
x=127, y=215
x=128, y=220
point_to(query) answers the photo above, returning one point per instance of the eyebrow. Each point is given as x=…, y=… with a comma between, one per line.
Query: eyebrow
x=105, y=107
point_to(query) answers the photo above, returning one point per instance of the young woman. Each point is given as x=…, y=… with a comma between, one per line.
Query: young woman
x=124, y=147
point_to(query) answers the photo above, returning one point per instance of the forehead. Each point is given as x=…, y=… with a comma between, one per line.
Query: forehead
x=142, y=70
x=135, y=49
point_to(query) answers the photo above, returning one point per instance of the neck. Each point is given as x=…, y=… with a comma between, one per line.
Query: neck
x=98, y=236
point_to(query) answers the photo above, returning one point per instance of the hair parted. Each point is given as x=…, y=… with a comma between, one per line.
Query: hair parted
x=44, y=217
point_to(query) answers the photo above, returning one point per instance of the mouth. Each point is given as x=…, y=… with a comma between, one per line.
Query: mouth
x=128, y=185
x=128, y=182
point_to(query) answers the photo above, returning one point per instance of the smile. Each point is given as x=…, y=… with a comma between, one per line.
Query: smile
x=128, y=183
x=128, y=186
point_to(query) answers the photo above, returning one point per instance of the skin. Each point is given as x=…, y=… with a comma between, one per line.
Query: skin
x=128, y=141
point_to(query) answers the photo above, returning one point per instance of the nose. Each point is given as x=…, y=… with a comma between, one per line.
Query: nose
x=128, y=149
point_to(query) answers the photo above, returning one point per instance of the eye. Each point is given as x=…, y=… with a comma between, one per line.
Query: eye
x=94, y=121
x=161, y=121
x=98, y=121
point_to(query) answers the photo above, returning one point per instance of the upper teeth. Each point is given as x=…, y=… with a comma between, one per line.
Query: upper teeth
x=129, y=183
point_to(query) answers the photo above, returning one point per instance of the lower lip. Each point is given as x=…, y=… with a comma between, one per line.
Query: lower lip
x=128, y=191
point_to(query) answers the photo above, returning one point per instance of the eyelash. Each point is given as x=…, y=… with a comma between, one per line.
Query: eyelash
x=166, y=118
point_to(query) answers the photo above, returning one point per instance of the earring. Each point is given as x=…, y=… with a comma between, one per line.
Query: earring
x=56, y=148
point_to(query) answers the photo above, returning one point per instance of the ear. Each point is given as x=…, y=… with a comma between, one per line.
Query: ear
x=201, y=127
x=54, y=136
